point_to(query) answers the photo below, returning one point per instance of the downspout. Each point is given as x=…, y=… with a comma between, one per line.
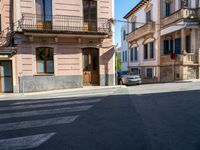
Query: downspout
x=11, y=22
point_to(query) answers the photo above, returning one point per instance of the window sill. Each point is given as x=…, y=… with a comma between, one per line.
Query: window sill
x=152, y=59
x=44, y=75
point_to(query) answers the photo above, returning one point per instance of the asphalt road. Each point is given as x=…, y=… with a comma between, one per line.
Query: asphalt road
x=146, y=117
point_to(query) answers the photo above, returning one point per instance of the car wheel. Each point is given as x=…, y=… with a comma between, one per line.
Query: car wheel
x=120, y=82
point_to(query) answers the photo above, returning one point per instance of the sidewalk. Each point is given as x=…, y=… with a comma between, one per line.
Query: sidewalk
x=12, y=96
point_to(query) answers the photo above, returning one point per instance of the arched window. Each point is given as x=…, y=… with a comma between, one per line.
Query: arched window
x=45, y=61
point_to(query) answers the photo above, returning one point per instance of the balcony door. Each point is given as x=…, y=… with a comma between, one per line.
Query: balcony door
x=44, y=14
x=90, y=15
x=90, y=66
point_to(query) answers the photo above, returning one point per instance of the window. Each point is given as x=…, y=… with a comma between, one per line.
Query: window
x=135, y=71
x=168, y=46
x=44, y=10
x=188, y=43
x=135, y=54
x=133, y=26
x=148, y=16
x=178, y=46
x=184, y=3
x=45, y=63
x=146, y=51
x=124, y=35
x=151, y=50
x=167, y=9
x=149, y=72
x=131, y=55
x=125, y=56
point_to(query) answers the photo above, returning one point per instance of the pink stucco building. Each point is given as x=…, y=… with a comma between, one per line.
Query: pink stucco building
x=56, y=44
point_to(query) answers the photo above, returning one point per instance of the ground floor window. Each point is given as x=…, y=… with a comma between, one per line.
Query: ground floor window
x=45, y=60
x=135, y=71
x=149, y=51
x=178, y=45
x=168, y=46
x=149, y=72
x=188, y=44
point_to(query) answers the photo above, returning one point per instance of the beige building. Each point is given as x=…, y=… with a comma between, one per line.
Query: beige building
x=175, y=31
x=56, y=44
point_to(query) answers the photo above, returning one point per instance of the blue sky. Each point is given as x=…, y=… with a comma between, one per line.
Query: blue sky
x=122, y=7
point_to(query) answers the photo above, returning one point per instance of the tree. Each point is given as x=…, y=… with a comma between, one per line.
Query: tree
x=119, y=61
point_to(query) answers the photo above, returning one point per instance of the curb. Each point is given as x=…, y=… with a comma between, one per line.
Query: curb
x=60, y=91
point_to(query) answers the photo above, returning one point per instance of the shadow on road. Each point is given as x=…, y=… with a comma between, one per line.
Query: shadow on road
x=159, y=121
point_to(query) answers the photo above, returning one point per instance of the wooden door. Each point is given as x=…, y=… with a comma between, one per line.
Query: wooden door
x=90, y=67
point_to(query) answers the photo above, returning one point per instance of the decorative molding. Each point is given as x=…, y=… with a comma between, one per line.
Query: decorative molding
x=148, y=7
x=133, y=18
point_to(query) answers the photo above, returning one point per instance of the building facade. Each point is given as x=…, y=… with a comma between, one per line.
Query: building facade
x=55, y=44
x=174, y=29
x=180, y=35
x=124, y=48
x=143, y=40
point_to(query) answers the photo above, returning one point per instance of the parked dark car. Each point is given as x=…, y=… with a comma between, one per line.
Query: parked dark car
x=128, y=78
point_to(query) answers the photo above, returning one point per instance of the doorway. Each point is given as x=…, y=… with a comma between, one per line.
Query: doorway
x=6, y=78
x=90, y=66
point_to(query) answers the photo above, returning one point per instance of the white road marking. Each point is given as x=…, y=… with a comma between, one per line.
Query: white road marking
x=42, y=101
x=36, y=123
x=45, y=112
x=49, y=105
x=25, y=142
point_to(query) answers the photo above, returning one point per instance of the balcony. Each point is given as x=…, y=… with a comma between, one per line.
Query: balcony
x=64, y=24
x=185, y=14
x=148, y=28
x=182, y=59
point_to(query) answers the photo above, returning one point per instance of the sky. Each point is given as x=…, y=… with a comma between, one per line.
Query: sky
x=122, y=7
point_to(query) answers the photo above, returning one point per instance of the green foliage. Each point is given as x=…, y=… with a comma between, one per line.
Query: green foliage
x=119, y=62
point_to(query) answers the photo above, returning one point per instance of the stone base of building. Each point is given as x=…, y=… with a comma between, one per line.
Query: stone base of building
x=178, y=72
x=47, y=83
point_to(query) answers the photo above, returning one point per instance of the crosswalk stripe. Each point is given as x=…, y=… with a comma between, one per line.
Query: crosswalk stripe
x=86, y=94
x=37, y=123
x=42, y=101
x=25, y=142
x=45, y=112
x=49, y=104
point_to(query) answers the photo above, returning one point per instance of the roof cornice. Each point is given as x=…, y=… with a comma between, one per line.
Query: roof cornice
x=136, y=8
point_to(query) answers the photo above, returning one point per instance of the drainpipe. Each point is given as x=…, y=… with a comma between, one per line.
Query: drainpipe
x=11, y=22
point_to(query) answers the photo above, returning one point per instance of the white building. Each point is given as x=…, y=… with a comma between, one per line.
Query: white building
x=143, y=40
x=124, y=48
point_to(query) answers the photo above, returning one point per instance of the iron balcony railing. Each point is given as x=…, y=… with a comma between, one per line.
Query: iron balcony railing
x=187, y=14
x=64, y=23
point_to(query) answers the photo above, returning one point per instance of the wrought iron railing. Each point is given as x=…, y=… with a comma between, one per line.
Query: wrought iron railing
x=185, y=13
x=5, y=37
x=64, y=23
